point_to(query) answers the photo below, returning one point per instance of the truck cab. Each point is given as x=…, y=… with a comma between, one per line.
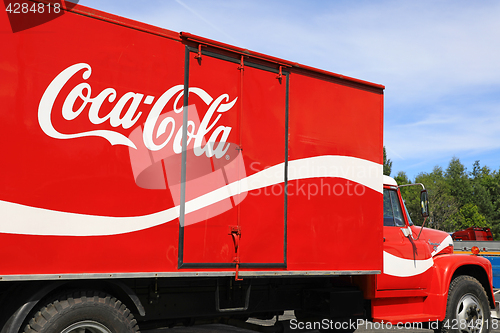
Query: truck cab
x=408, y=249
x=415, y=260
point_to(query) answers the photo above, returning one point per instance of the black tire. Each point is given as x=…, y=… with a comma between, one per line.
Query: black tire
x=83, y=311
x=467, y=301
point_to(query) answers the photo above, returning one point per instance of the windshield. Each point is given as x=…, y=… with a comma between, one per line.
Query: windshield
x=393, y=214
x=407, y=214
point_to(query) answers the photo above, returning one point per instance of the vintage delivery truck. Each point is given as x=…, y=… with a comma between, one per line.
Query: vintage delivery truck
x=150, y=178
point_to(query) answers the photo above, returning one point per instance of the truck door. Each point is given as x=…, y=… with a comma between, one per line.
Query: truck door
x=263, y=136
x=232, y=207
x=407, y=262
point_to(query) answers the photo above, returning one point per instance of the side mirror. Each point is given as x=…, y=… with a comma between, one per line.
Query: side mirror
x=424, y=203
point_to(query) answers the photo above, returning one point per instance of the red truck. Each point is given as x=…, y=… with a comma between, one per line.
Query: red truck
x=473, y=233
x=151, y=178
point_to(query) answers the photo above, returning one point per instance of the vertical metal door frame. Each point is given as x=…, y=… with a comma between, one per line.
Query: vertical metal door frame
x=182, y=206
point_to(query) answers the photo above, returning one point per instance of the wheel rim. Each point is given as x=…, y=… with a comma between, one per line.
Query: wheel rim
x=470, y=314
x=87, y=326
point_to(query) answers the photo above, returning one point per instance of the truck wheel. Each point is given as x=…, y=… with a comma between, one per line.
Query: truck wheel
x=467, y=309
x=83, y=312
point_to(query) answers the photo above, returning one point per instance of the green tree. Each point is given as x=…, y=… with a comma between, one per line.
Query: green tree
x=442, y=204
x=458, y=182
x=457, y=199
x=482, y=190
x=468, y=216
x=387, y=164
x=401, y=178
x=411, y=196
x=491, y=181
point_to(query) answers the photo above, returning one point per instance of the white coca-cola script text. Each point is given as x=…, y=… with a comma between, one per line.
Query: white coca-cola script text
x=153, y=131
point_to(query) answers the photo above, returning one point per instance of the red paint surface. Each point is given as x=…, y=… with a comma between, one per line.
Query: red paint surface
x=327, y=116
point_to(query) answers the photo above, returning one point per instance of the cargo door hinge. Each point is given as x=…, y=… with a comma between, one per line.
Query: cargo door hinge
x=235, y=232
x=198, y=55
x=280, y=74
x=241, y=67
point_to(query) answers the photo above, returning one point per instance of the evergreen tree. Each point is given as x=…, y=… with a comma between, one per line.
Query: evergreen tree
x=457, y=199
x=411, y=196
x=442, y=204
x=469, y=216
x=401, y=178
x=387, y=164
x=481, y=194
x=458, y=182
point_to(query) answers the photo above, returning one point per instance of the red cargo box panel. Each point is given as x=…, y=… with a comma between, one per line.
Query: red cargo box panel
x=74, y=90
x=130, y=151
x=334, y=203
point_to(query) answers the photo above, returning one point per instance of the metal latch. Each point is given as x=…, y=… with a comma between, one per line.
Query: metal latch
x=241, y=66
x=198, y=56
x=280, y=74
x=235, y=232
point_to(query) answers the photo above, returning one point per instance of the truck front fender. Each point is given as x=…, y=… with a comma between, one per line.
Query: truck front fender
x=449, y=266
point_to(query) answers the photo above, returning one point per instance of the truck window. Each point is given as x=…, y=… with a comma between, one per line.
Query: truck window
x=410, y=222
x=393, y=214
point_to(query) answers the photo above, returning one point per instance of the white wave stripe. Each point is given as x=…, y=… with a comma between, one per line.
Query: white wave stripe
x=351, y=168
x=358, y=170
x=445, y=243
x=401, y=267
x=26, y=220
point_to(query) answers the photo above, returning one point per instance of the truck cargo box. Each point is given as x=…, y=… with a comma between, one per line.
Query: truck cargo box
x=129, y=150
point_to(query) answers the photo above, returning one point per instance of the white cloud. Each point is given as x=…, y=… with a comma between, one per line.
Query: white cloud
x=469, y=132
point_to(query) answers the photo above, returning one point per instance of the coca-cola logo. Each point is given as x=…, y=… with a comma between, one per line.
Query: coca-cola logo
x=154, y=138
x=158, y=131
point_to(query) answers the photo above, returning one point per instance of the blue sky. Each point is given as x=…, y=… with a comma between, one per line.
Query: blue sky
x=439, y=61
